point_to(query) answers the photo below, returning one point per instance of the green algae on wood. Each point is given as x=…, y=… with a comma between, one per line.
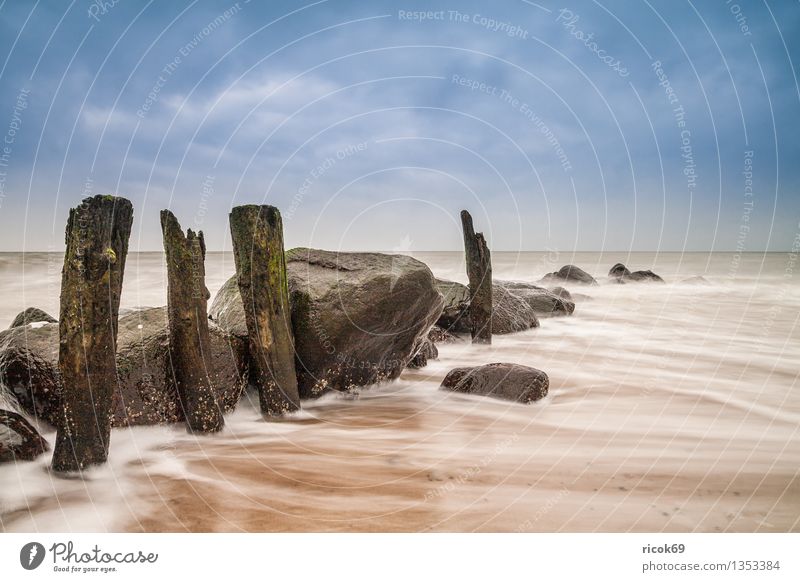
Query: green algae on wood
x=189, y=340
x=257, y=235
x=97, y=236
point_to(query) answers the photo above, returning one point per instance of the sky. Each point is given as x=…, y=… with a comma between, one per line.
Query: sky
x=637, y=126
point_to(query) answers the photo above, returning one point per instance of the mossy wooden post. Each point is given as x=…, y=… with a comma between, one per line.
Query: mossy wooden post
x=257, y=235
x=91, y=285
x=479, y=271
x=189, y=341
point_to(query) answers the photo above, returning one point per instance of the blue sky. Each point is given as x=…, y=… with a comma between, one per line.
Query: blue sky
x=569, y=126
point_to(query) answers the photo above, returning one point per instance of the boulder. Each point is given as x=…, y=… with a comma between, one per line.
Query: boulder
x=510, y=312
x=507, y=381
x=619, y=273
x=644, y=276
x=439, y=335
x=544, y=303
x=425, y=350
x=357, y=317
x=570, y=273
x=145, y=393
x=29, y=369
x=32, y=315
x=19, y=441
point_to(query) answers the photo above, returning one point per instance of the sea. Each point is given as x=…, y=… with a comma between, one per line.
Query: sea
x=672, y=407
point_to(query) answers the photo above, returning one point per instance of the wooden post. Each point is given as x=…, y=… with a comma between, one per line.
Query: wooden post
x=257, y=235
x=479, y=271
x=189, y=342
x=91, y=284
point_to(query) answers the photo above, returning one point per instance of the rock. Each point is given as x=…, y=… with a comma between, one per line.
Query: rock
x=19, y=441
x=440, y=335
x=570, y=273
x=619, y=273
x=455, y=314
x=146, y=393
x=644, y=276
x=143, y=396
x=357, y=317
x=507, y=381
x=32, y=315
x=510, y=314
x=426, y=350
x=543, y=302
x=29, y=369
x=226, y=309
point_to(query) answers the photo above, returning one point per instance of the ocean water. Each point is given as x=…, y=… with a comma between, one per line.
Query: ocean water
x=672, y=408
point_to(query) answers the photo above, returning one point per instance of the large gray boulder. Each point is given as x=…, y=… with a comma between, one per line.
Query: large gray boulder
x=19, y=441
x=510, y=312
x=545, y=303
x=569, y=274
x=145, y=393
x=32, y=315
x=506, y=381
x=357, y=317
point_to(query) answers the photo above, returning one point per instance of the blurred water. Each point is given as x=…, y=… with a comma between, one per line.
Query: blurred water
x=672, y=407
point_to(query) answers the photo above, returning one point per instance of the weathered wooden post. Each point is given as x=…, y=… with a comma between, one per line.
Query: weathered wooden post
x=189, y=341
x=257, y=235
x=479, y=271
x=91, y=284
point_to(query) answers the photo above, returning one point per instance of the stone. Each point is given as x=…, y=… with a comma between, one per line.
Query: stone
x=505, y=381
x=19, y=440
x=357, y=318
x=570, y=273
x=32, y=315
x=144, y=393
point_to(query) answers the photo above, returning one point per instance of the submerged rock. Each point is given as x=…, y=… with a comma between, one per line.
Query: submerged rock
x=357, y=317
x=145, y=393
x=570, y=273
x=506, y=381
x=32, y=315
x=544, y=302
x=510, y=312
x=19, y=441
x=619, y=273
